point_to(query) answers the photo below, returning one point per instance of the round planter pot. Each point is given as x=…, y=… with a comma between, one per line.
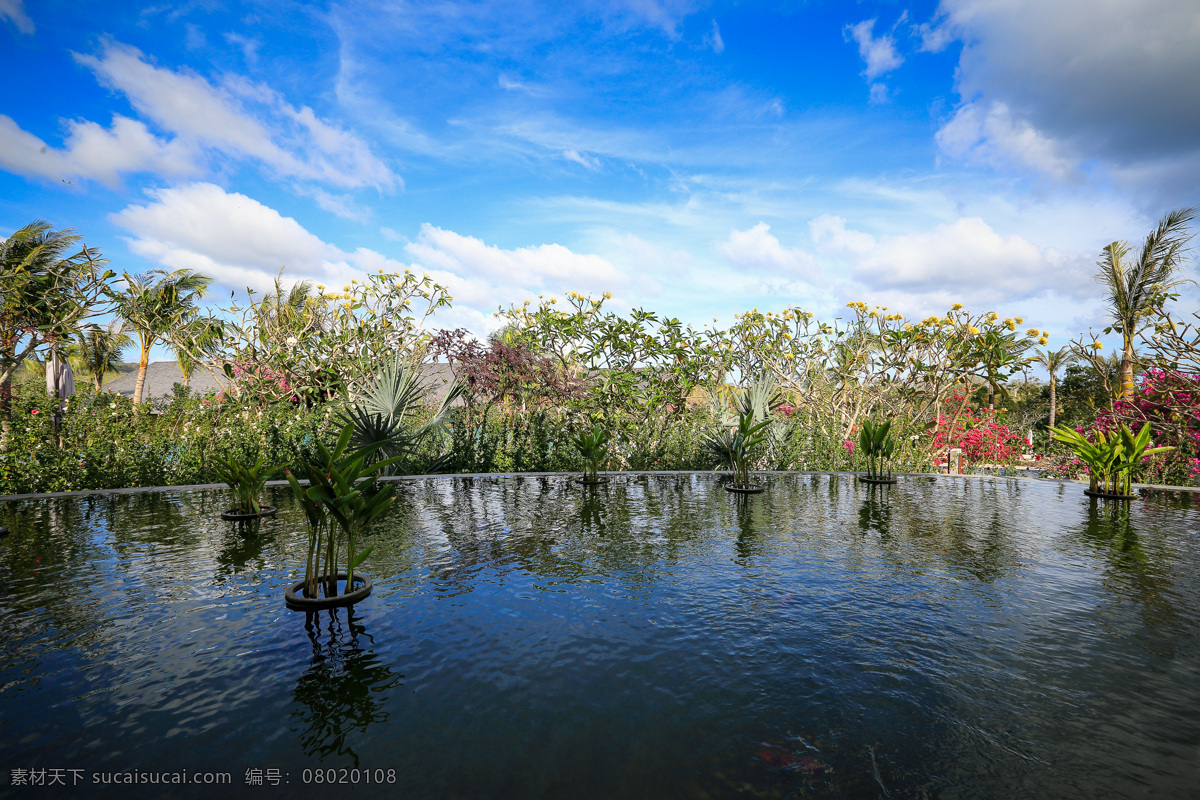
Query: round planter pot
x=233, y=516
x=1107, y=496
x=876, y=481
x=297, y=601
x=587, y=482
x=755, y=489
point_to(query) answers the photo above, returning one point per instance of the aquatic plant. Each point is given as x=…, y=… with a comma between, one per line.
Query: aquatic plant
x=247, y=482
x=593, y=449
x=876, y=445
x=341, y=501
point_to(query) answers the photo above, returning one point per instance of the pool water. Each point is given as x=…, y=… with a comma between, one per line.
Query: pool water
x=652, y=637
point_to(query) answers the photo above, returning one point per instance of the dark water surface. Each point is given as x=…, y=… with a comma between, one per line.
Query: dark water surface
x=655, y=637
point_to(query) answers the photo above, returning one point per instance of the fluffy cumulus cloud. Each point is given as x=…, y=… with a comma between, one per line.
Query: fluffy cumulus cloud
x=757, y=250
x=490, y=273
x=96, y=153
x=241, y=242
x=1114, y=81
x=194, y=118
x=967, y=261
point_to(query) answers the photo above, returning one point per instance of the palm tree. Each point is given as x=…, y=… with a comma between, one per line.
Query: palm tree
x=1053, y=362
x=1138, y=287
x=192, y=340
x=154, y=304
x=99, y=349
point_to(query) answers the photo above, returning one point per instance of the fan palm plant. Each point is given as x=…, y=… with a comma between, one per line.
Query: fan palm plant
x=154, y=304
x=388, y=414
x=1138, y=284
x=737, y=440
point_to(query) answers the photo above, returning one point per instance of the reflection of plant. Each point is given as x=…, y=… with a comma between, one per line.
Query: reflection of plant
x=341, y=500
x=247, y=482
x=1110, y=457
x=593, y=448
x=877, y=446
x=343, y=690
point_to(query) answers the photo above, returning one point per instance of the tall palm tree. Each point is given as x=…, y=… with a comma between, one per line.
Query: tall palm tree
x=1053, y=361
x=99, y=349
x=154, y=304
x=1138, y=286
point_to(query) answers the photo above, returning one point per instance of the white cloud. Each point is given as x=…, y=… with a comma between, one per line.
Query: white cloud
x=829, y=234
x=1114, y=81
x=14, y=11
x=583, y=159
x=249, y=46
x=968, y=261
x=879, y=54
x=546, y=267
x=241, y=242
x=291, y=141
x=342, y=205
x=714, y=39
x=757, y=249
x=229, y=236
x=93, y=153
x=990, y=135
x=879, y=94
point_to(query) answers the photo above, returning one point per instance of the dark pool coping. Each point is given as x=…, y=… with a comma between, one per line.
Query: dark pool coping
x=443, y=476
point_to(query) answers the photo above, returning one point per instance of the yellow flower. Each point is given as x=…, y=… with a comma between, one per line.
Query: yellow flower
x=608, y=295
x=1031, y=332
x=1046, y=333
x=320, y=286
x=1043, y=340
x=1098, y=345
x=1020, y=321
x=956, y=307
x=974, y=331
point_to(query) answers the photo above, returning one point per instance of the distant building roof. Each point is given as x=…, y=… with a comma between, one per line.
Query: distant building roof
x=161, y=377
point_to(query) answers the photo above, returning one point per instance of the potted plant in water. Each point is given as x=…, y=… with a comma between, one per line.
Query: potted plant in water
x=875, y=442
x=247, y=484
x=342, y=499
x=1110, y=459
x=735, y=446
x=593, y=449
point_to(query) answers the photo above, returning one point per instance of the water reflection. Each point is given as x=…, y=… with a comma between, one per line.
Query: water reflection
x=875, y=512
x=345, y=689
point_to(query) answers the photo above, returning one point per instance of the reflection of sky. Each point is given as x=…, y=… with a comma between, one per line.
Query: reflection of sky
x=971, y=635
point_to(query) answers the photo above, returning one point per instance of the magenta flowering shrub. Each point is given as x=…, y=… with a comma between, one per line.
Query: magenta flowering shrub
x=1170, y=402
x=982, y=439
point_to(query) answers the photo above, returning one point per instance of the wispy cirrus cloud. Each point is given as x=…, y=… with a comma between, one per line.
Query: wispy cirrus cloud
x=194, y=120
x=14, y=12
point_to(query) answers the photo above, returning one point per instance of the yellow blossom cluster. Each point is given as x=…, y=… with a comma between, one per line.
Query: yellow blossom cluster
x=956, y=307
x=857, y=304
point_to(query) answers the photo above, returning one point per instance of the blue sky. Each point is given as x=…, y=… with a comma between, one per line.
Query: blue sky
x=698, y=159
